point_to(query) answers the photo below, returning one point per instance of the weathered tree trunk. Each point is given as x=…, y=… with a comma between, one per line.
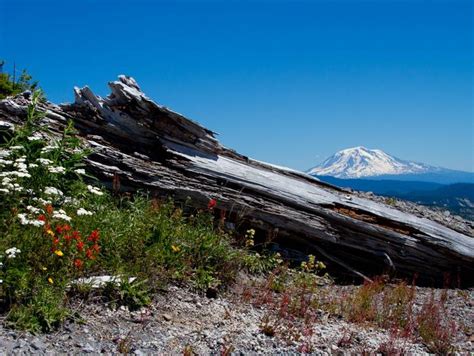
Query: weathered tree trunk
x=152, y=148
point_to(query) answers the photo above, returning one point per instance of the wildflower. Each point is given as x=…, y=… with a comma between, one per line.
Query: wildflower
x=20, y=174
x=34, y=138
x=249, y=235
x=90, y=254
x=4, y=153
x=78, y=263
x=12, y=252
x=1, y=281
x=25, y=221
x=42, y=218
x=49, y=148
x=44, y=161
x=44, y=268
x=320, y=265
x=42, y=201
x=82, y=211
x=76, y=235
x=80, y=246
x=50, y=232
x=94, y=236
x=32, y=209
x=61, y=214
x=16, y=148
x=96, y=248
x=60, y=170
x=80, y=171
x=94, y=190
x=212, y=204
x=50, y=280
x=49, y=209
x=32, y=165
x=52, y=191
x=175, y=249
x=59, y=253
x=3, y=190
x=5, y=162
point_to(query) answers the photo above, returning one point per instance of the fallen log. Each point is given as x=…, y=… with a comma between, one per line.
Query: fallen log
x=146, y=146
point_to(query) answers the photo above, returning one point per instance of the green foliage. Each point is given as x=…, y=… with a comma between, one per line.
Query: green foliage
x=9, y=87
x=43, y=312
x=134, y=295
x=56, y=228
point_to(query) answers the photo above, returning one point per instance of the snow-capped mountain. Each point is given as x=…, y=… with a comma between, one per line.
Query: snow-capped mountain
x=358, y=162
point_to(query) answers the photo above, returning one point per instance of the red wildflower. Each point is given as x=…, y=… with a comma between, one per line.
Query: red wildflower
x=90, y=254
x=76, y=235
x=59, y=229
x=42, y=218
x=78, y=263
x=96, y=248
x=80, y=246
x=67, y=227
x=67, y=237
x=49, y=209
x=55, y=241
x=94, y=236
x=212, y=204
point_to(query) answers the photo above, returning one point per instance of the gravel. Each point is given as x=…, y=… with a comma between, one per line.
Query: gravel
x=180, y=320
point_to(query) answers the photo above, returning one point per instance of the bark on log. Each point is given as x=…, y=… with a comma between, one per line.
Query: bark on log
x=152, y=148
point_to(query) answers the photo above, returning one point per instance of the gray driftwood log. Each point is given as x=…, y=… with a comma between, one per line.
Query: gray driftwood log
x=149, y=147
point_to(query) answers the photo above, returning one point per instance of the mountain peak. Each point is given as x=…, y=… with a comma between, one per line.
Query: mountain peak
x=357, y=162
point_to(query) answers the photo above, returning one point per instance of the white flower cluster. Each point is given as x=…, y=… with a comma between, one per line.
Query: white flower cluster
x=34, y=138
x=61, y=214
x=42, y=201
x=17, y=148
x=12, y=252
x=80, y=171
x=94, y=190
x=44, y=161
x=34, y=210
x=9, y=185
x=52, y=191
x=82, y=211
x=58, y=169
x=50, y=147
x=24, y=220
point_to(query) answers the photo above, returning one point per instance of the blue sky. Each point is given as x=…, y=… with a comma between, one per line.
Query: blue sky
x=289, y=82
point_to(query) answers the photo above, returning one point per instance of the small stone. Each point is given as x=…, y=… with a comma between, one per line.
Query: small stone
x=167, y=317
x=20, y=344
x=37, y=344
x=88, y=348
x=334, y=347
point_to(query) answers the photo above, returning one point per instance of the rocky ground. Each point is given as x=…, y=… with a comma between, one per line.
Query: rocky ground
x=182, y=322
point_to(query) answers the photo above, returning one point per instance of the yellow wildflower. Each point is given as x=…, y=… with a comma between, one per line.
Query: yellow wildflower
x=50, y=280
x=59, y=253
x=50, y=232
x=44, y=268
x=175, y=248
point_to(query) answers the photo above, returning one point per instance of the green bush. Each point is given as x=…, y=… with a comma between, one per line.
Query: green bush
x=10, y=87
